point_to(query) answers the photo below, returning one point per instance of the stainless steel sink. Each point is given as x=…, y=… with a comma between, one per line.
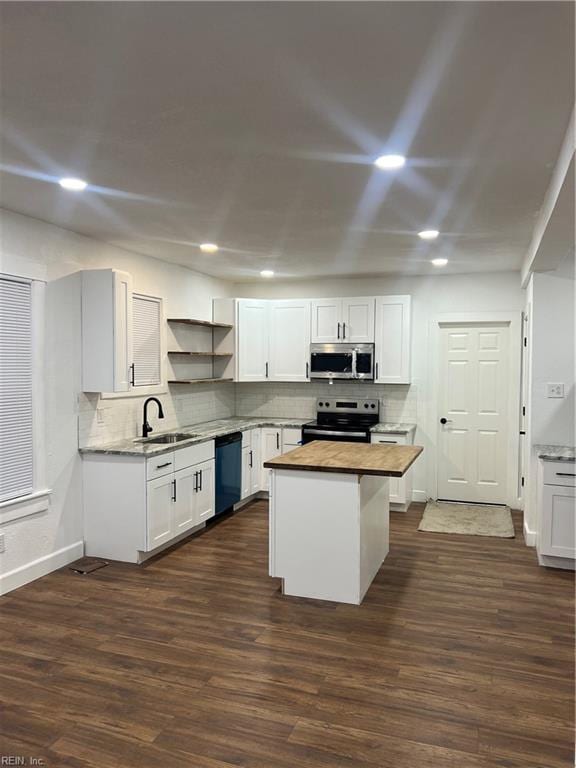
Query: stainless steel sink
x=175, y=437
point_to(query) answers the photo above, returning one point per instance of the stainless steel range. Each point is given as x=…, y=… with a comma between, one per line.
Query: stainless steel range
x=343, y=419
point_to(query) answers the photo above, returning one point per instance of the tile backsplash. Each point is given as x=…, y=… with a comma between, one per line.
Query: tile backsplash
x=106, y=420
x=397, y=401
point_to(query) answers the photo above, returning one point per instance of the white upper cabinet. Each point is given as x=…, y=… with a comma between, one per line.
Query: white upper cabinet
x=358, y=320
x=106, y=330
x=346, y=321
x=289, y=344
x=392, y=351
x=252, y=344
x=326, y=321
x=146, y=341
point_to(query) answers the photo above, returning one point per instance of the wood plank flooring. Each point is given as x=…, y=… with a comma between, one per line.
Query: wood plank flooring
x=461, y=656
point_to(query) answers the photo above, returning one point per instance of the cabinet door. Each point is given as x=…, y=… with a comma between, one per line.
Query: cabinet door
x=255, y=463
x=326, y=321
x=184, y=501
x=397, y=485
x=159, y=511
x=205, y=495
x=253, y=335
x=246, y=487
x=146, y=341
x=122, y=330
x=271, y=447
x=358, y=320
x=557, y=528
x=392, y=349
x=289, y=340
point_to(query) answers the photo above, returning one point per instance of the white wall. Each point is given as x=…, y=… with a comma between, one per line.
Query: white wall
x=551, y=309
x=34, y=249
x=431, y=296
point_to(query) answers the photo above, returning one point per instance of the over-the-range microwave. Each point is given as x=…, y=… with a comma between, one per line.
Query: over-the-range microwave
x=342, y=361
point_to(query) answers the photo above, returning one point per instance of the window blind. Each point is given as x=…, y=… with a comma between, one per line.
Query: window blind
x=16, y=437
x=146, y=340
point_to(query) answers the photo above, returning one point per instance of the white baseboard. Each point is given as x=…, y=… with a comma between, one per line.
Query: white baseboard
x=419, y=496
x=529, y=536
x=40, y=567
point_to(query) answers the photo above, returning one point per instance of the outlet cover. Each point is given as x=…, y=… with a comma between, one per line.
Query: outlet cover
x=554, y=389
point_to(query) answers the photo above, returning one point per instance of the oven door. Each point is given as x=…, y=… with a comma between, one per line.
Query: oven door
x=311, y=433
x=332, y=361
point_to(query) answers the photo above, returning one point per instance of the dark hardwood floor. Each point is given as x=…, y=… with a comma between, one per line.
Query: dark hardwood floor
x=461, y=656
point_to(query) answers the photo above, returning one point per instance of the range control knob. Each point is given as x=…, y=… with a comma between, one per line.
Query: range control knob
x=365, y=405
x=320, y=404
x=327, y=405
x=373, y=405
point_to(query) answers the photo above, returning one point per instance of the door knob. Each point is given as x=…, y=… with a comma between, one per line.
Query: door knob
x=445, y=421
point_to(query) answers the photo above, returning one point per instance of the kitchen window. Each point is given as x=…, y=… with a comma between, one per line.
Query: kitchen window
x=21, y=400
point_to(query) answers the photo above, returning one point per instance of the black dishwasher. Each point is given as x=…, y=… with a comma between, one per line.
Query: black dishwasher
x=228, y=471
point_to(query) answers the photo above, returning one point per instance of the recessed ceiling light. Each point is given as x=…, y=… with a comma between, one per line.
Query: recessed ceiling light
x=266, y=273
x=428, y=234
x=439, y=262
x=75, y=185
x=389, y=162
x=208, y=247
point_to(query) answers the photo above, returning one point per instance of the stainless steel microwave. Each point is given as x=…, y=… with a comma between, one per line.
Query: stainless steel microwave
x=342, y=361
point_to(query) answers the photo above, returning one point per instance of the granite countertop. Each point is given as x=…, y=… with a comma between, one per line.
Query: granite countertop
x=200, y=433
x=555, y=452
x=394, y=428
x=349, y=458
x=208, y=430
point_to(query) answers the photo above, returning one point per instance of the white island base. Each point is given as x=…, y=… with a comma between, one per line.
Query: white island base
x=329, y=532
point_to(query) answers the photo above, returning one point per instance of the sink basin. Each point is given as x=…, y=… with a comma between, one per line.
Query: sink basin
x=175, y=437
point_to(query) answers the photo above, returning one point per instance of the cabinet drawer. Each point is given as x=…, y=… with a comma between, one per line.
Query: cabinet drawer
x=193, y=454
x=560, y=473
x=247, y=438
x=387, y=439
x=160, y=465
x=291, y=436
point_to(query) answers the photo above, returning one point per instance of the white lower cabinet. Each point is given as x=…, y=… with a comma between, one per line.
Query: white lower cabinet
x=134, y=505
x=271, y=443
x=400, y=487
x=159, y=511
x=557, y=534
x=251, y=465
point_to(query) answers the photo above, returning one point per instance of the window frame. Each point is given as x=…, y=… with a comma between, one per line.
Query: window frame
x=38, y=499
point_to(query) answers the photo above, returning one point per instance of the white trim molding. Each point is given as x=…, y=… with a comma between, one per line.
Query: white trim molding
x=40, y=567
x=32, y=504
x=514, y=321
x=530, y=537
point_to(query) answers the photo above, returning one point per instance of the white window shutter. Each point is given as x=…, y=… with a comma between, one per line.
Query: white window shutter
x=16, y=435
x=146, y=317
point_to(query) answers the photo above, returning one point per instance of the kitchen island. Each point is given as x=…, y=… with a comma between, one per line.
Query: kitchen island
x=329, y=516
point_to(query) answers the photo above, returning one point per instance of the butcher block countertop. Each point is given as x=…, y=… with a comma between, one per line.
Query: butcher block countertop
x=351, y=458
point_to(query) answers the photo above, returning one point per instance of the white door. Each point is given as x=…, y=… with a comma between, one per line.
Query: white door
x=246, y=487
x=271, y=447
x=184, y=501
x=289, y=340
x=253, y=335
x=358, y=320
x=205, y=493
x=326, y=321
x=159, y=511
x=255, y=463
x=122, y=330
x=473, y=413
x=392, y=350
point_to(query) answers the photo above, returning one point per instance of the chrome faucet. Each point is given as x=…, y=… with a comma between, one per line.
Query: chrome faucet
x=146, y=428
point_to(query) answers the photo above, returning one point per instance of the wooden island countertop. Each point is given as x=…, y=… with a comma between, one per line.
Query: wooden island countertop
x=349, y=458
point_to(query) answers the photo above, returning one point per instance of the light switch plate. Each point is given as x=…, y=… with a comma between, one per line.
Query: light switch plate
x=554, y=389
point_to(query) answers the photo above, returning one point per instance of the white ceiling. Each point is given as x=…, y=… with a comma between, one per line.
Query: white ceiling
x=254, y=125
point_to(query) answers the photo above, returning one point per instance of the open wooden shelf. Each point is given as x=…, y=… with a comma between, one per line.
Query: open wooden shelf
x=205, y=323
x=200, y=354
x=196, y=381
